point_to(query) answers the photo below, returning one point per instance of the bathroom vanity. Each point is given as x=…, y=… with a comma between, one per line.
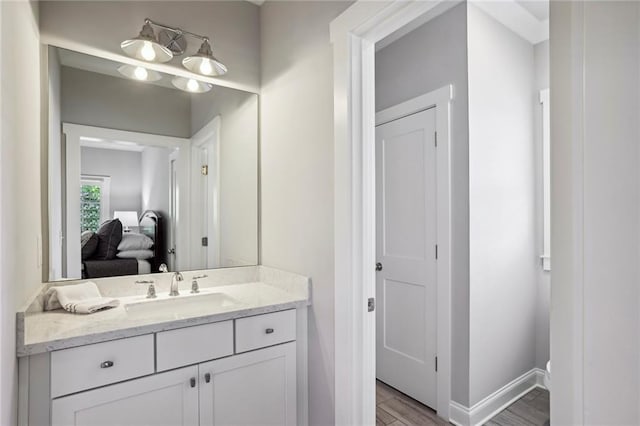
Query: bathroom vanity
x=234, y=353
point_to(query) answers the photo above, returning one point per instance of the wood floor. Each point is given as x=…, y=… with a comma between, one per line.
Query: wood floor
x=397, y=409
x=531, y=409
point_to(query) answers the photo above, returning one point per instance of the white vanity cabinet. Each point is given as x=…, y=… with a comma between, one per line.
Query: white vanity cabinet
x=235, y=372
x=161, y=399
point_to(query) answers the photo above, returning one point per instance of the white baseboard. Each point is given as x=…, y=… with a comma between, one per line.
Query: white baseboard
x=482, y=411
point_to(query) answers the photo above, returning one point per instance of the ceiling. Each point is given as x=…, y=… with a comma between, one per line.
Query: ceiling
x=527, y=18
x=539, y=8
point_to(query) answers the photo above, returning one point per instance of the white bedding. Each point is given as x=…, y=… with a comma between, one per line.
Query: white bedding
x=144, y=267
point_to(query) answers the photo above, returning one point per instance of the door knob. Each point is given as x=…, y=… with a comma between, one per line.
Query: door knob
x=378, y=267
x=171, y=251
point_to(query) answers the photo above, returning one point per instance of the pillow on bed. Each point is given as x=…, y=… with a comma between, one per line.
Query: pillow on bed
x=135, y=254
x=109, y=236
x=134, y=241
x=89, y=243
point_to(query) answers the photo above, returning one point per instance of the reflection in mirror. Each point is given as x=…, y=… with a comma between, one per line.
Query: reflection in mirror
x=144, y=171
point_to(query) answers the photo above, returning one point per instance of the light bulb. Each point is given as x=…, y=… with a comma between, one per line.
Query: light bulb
x=205, y=67
x=147, y=52
x=192, y=85
x=141, y=73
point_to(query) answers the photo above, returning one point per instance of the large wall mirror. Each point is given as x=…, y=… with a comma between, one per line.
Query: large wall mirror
x=147, y=169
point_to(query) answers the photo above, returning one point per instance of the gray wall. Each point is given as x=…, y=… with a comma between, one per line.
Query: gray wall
x=296, y=119
x=430, y=57
x=155, y=180
x=117, y=103
x=20, y=183
x=124, y=168
x=504, y=262
x=233, y=27
x=541, y=62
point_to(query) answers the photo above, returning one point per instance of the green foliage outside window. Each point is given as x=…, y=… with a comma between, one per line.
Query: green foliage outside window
x=89, y=207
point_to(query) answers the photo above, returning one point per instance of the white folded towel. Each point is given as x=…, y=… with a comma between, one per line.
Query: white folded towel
x=82, y=298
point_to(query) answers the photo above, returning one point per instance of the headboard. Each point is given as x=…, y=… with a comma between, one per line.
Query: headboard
x=151, y=225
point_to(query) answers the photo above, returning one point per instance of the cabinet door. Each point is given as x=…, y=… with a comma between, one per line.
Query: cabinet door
x=253, y=388
x=162, y=399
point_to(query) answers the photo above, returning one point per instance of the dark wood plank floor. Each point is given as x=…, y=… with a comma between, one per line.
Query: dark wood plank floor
x=397, y=409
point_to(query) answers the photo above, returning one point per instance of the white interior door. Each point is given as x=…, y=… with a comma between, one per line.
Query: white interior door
x=406, y=249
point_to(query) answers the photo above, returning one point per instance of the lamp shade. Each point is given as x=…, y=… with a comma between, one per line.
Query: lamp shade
x=204, y=62
x=191, y=85
x=146, y=47
x=139, y=73
x=128, y=218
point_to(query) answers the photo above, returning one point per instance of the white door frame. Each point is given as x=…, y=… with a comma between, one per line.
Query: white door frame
x=354, y=35
x=73, y=133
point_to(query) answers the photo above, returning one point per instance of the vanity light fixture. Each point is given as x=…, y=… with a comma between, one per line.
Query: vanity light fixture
x=204, y=62
x=171, y=42
x=191, y=85
x=139, y=73
x=146, y=46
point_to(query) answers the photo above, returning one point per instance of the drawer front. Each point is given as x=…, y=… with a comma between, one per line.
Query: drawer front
x=265, y=330
x=190, y=345
x=90, y=366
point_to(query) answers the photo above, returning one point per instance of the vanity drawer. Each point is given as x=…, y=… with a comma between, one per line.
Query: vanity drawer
x=190, y=345
x=265, y=330
x=90, y=366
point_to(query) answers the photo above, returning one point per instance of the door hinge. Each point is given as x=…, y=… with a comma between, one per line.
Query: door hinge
x=371, y=304
x=436, y=252
x=436, y=138
x=204, y=170
x=436, y=364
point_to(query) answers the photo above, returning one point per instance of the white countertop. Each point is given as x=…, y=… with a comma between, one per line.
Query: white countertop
x=43, y=331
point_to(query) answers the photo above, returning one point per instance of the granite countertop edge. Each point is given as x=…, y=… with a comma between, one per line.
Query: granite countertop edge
x=35, y=348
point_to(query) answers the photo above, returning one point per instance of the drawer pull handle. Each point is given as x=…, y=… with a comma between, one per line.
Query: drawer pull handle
x=207, y=377
x=106, y=364
x=269, y=330
x=193, y=382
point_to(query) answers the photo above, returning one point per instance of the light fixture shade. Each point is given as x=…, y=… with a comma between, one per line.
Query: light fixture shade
x=204, y=62
x=146, y=47
x=128, y=218
x=139, y=73
x=191, y=85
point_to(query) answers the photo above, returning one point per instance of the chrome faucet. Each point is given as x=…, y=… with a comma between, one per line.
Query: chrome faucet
x=175, y=279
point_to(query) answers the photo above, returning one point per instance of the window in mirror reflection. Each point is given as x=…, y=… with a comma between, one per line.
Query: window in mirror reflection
x=94, y=201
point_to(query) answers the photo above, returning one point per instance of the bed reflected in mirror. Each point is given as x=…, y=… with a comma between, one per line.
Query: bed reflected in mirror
x=143, y=174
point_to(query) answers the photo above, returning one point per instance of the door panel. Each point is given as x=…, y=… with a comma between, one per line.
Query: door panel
x=254, y=388
x=406, y=244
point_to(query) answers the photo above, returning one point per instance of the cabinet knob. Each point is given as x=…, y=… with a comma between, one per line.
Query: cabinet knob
x=192, y=382
x=269, y=330
x=106, y=364
x=207, y=377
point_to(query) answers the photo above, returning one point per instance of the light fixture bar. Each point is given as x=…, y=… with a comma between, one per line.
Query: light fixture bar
x=175, y=29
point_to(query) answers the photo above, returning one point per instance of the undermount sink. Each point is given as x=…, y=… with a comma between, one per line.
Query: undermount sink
x=182, y=305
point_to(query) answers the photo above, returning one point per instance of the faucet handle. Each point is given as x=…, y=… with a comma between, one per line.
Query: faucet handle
x=163, y=268
x=151, y=291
